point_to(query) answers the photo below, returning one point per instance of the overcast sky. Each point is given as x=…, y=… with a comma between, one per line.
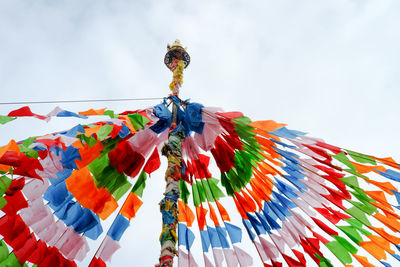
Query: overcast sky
x=329, y=68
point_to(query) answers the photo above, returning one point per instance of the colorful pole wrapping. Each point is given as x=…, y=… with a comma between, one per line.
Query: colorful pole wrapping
x=169, y=204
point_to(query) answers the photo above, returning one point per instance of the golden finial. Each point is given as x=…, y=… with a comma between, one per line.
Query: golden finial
x=176, y=51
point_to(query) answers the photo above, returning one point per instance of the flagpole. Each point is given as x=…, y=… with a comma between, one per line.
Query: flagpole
x=176, y=60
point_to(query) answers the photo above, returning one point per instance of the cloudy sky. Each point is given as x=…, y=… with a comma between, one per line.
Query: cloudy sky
x=329, y=68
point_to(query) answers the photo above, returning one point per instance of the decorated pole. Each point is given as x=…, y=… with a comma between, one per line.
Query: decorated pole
x=176, y=60
x=301, y=200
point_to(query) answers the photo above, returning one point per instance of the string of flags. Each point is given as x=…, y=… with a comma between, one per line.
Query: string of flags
x=300, y=199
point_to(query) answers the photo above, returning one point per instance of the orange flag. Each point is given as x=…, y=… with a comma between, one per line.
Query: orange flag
x=213, y=216
x=374, y=250
x=388, y=161
x=92, y=130
x=385, y=186
x=93, y=112
x=11, y=146
x=82, y=186
x=222, y=211
x=268, y=125
x=382, y=242
x=201, y=217
x=363, y=260
x=181, y=211
x=185, y=213
x=131, y=206
x=240, y=209
x=88, y=154
x=389, y=220
x=361, y=168
x=395, y=240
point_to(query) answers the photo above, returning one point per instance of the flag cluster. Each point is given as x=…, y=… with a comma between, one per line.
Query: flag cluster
x=300, y=199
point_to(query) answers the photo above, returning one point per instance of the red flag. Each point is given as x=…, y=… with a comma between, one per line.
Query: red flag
x=324, y=227
x=153, y=163
x=25, y=112
x=15, y=202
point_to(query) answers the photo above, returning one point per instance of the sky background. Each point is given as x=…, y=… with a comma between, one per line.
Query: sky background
x=329, y=68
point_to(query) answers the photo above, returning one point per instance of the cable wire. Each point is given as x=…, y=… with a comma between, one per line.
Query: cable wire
x=79, y=101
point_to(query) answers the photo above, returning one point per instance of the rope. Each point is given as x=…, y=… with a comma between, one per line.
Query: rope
x=80, y=101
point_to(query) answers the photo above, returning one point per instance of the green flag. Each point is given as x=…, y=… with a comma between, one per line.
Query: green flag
x=346, y=244
x=104, y=131
x=351, y=181
x=195, y=194
x=351, y=232
x=216, y=191
x=361, y=158
x=140, y=184
x=341, y=252
x=3, y=251
x=207, y=190
x=358, y=225
x=343, y=159
x=359, y=215
x=120, y=191
x=184, y=191
x=226, y=183
x=110, y=113
x=5, y=119
x=5, y=183
x=138, y=121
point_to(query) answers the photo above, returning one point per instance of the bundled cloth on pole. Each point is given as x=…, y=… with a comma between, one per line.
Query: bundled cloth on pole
x=300, y=199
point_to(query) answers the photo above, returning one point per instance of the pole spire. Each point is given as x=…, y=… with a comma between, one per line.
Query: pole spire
x=176, y=59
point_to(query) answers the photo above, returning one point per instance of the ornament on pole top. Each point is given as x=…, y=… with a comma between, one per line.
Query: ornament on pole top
x=176, y=52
